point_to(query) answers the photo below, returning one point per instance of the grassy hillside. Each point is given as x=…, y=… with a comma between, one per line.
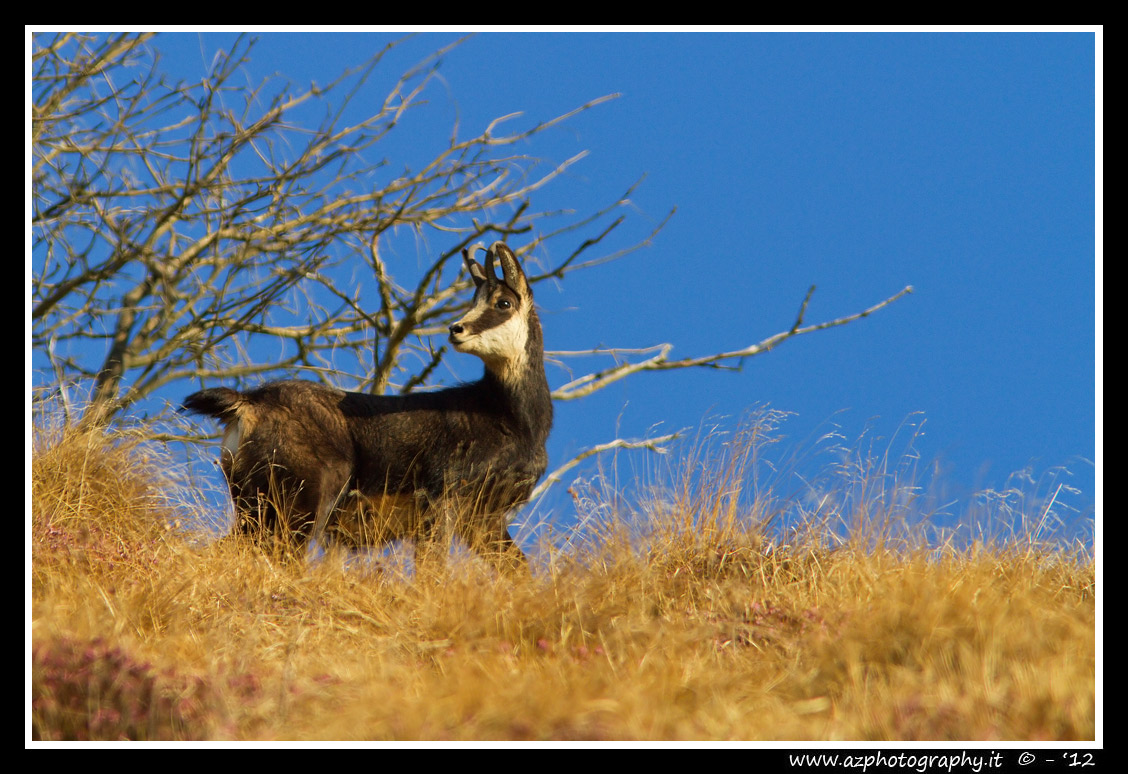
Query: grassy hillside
x=675, y=622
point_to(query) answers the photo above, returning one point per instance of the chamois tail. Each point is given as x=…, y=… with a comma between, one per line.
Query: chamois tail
x=218, y=402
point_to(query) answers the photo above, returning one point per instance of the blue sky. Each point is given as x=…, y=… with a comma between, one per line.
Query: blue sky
x=961, y=163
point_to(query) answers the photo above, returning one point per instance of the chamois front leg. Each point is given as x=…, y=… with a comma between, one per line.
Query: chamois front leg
x=495, y=544
x=433, y=540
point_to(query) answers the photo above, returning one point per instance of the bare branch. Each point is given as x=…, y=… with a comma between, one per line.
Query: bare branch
x=209, y=230
x=178, y=227
x=651, y=444
x=586, y=385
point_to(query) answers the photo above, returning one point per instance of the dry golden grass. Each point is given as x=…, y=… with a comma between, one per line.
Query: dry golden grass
x=678, y=624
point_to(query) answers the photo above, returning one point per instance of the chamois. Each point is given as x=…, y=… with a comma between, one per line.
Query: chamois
x=306, y=461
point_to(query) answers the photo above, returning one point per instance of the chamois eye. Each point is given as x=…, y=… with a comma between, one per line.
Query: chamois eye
x=504, y=304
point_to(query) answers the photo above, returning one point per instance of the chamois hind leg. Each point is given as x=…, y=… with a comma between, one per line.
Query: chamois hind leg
x=310, y=504
x=255, y=518
x=277, y=512
x=256, y=514
x=264, y=498
x=331, y=493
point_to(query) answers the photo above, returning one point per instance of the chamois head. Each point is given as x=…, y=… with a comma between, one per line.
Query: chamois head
x=501, y=327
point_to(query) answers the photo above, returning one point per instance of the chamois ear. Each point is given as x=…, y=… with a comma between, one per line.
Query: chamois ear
x=477, y=271
x=510, y=268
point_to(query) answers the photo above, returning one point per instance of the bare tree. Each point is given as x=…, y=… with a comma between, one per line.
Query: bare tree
x=179, y=228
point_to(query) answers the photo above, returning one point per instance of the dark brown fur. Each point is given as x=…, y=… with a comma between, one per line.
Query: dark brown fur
x=361, y=470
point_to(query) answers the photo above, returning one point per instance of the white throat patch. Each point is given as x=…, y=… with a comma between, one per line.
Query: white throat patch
x=501, y=347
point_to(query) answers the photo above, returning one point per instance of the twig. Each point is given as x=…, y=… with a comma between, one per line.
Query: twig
x=647, y=443
x=585, y=385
